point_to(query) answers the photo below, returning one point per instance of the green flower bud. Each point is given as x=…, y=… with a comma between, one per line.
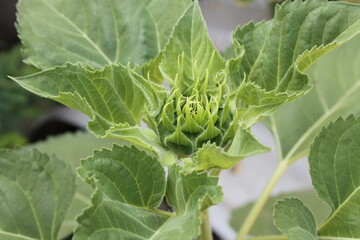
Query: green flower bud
x=197, y=113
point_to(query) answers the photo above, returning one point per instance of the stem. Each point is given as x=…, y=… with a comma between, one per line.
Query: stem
x=206, y=233
x=259, y=205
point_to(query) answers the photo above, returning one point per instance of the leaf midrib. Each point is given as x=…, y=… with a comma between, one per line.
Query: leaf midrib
x=16, y=235
x=289, y=156
x=332, y=216
x=86, y=37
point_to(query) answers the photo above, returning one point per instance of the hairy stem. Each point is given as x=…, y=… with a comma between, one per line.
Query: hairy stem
x=206, y=233
x=261, y=201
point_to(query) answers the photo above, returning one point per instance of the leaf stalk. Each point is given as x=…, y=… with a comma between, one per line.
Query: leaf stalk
x=260, y=203
x=206, y=232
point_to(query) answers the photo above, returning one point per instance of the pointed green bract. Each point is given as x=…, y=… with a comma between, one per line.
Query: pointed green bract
x=336, y=80
x=190, y=53
x=294, y=219
x=33, y=199
x=335, y=171
x=130, y=185
x=109, y=96
x=97, y=32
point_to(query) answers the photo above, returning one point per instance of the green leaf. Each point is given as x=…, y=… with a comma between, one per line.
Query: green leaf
x=145, y=183
x=278, y=52
x=144, y=138
x=190, y=53
x=210, y=156
x=273, y=61
x=109, y=96
x=336, y=80
x=33, y=199
x=334, y=167
x=130, y=185
x=96, y=33
x=264, y=224
x=78, y=145
x=186, y=191
x=294, y=219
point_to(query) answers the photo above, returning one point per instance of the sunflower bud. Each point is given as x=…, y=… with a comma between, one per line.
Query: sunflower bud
x=197, y=113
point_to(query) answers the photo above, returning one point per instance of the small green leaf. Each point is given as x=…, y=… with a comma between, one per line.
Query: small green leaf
x=109, y=96
x=186, y=192
x=144, y=138
x=130, y=185
x=245, y=144
x=294, y=219
x=190, y=52
x=264, y=225
x=33, y=199
x=210, y=156
x=335, y=171
x=96, y=33
x=258, y=103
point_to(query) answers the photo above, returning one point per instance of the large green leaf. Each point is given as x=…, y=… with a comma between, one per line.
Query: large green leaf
x=33, y=199
x=130, y=185
x=278, y=51
x=336, y=79
x=335, y=171
x=109, y=96
x=97, y=32
x=190, y=53
x=78, y=145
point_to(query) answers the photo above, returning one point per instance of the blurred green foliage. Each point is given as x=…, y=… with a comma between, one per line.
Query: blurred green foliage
x=18, y=107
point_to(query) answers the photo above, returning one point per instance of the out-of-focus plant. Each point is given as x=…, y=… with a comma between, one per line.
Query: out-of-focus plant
x=17, y=107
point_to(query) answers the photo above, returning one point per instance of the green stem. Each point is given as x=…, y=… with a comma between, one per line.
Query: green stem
x=206, y=233
x=260, y=203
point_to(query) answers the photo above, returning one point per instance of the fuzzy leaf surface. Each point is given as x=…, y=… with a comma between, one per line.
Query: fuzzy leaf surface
x=109, y=96
x=33, y=199
x=294, y=219
x=277, y=52
x=210, y=156
x=144, y=138
x=96, y=33
x=78, y=145
x=336, y=79
x=335, y=171
x=130, y=185
x=190, y=52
